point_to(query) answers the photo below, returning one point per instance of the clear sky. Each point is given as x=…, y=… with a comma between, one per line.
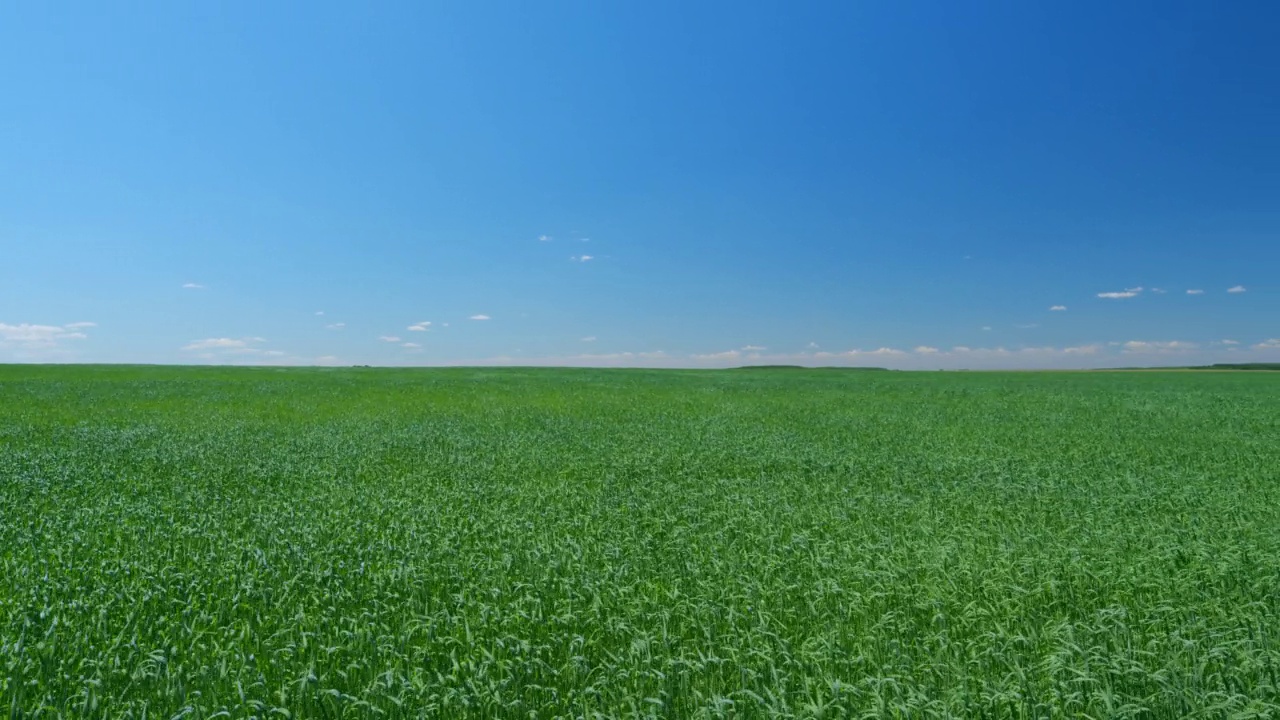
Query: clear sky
x=905, y=184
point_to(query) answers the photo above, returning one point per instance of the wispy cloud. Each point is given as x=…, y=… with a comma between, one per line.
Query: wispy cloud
x=223, y=343
x=813, y=346
x=589, y=338
x=1118, y=295
x=986, y=328
x=544, y=238
x=655, y=358
x=1236, y=289
x=192, y=286
x=40, y=337
x=1058, y=308
x=410, y=345
x=390, y=338
x=274, y=353
x=726, y=355
x=1230, y=342
x=480, y=317
x=421, y=326
x=1027, y=326
x=1145, y=346
x=80, y=325
x=1195, y=292
x=1158, y=291
x=754, y=348
x=335, y=326
x=926, y=357
x=582, y=258
x=319, y=312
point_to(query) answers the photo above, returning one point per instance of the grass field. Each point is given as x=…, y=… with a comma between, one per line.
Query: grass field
x=599, y=543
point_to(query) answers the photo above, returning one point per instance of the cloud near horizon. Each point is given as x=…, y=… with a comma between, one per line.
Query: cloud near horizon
x=924, y=357
x=223, y=343
x=41, y=339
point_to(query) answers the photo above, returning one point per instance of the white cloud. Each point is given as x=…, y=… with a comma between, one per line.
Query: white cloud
x=319, y=312
x=754, y=348
x=40, y=337
x=222, y=343
x=813, y=346
x=1058, y=308
x=1028, y=326
x=1118, y=295
x=480, y=317
x=589, y=338
x=582, y=258
x=726, y=355
x=1230, y=342
x=986, y=328
x=544, y=238
x=1134, y=290
x=1158, y=291
x=335, y=326
x=80, y=325
x=410, y=345
x=656, y=358
x=389, y=338
x=421, y=326
x=192, y=286
x=1083, y=350
x=1143, y=346
x=1236, y=289
x=924, y=357
x=1195, y=292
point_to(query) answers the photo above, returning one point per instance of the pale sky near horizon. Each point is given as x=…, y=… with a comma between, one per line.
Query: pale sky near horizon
x=912, y=185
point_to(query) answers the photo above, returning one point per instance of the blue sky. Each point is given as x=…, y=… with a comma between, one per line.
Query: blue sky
x=640, y=183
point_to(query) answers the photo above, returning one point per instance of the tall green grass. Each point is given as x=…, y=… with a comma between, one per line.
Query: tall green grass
x=573, y=543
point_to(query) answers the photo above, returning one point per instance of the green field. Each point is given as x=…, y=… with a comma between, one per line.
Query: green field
x=601, y=543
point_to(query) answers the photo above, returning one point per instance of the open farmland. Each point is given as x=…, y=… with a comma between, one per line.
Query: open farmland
x=601, y=543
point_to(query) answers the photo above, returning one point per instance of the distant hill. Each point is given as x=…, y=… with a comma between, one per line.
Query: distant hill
x=1218, y=366
x=1238, y=366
